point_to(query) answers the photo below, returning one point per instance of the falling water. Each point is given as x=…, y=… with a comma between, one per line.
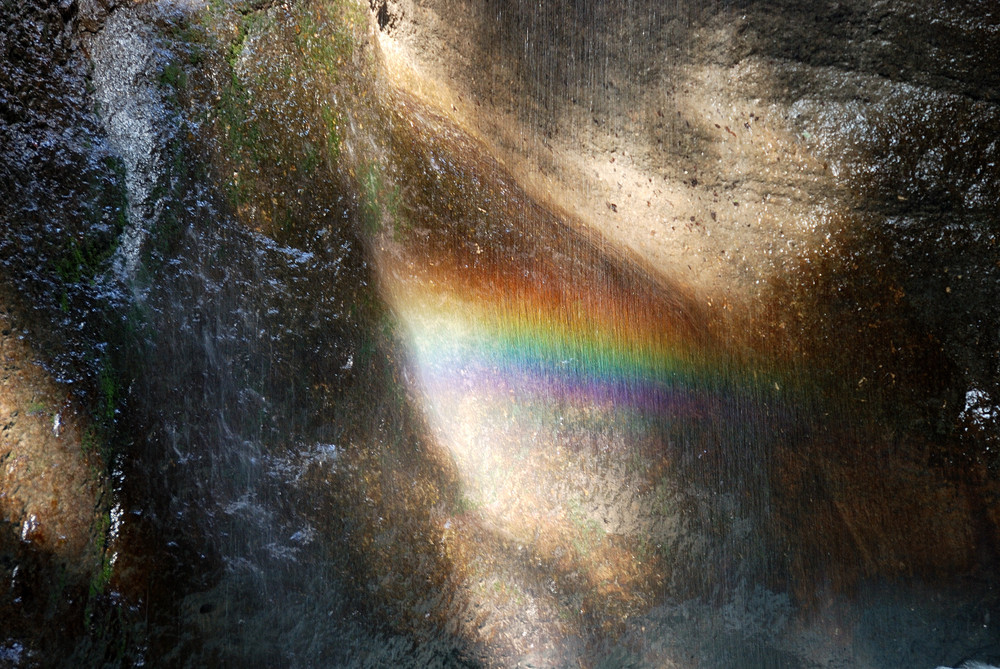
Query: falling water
x=437, y=333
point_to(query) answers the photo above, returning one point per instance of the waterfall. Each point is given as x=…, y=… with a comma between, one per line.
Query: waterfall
x=449, y=333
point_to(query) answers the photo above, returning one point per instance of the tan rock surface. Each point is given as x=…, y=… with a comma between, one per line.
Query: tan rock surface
x=49, y=490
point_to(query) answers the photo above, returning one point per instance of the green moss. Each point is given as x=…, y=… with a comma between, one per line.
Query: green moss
x=332, y=122
x=193, y=38
x=182, y=170
x=310, y=159
x=251, y=21
x=327, y=42
x=102, y=575
x=301, y=56
x=90, y=442
x=173, y=75
x=87, y=254
x=109, y=394
x=379, y=201
x=173, y=79
x=233, y=108
x=241, y=130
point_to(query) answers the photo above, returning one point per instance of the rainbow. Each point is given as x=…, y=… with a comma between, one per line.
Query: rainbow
x=500, y=295
x=593, y=344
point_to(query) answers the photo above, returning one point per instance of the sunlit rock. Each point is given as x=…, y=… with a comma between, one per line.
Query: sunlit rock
x=496, y=333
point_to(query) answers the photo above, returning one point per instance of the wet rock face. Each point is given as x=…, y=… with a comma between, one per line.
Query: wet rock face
x=585, y=319
x=940, y=45
x=837, y=154
x=62, y=190
x=37, y=41
x=898, y=105
x=48, y=486
x=125, y=77
x=804, y=168
x=61, y=210
x=51, y=532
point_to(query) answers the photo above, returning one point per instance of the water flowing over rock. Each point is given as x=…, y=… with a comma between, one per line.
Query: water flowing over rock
x=125, y=76
x=502, y=333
